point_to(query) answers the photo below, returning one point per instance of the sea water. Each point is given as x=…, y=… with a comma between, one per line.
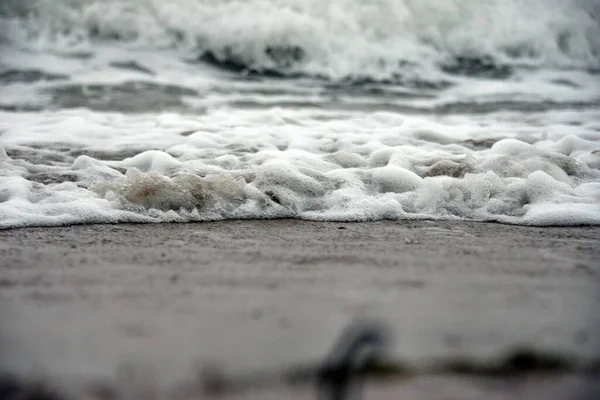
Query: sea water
x=344, y=110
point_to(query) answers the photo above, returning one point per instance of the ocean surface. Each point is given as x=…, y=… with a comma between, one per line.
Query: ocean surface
x=343, y=110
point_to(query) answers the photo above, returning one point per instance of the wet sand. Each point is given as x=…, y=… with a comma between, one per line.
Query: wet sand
x=157, y=303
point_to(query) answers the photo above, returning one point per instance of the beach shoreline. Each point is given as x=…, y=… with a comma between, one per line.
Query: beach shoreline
x=79, y=302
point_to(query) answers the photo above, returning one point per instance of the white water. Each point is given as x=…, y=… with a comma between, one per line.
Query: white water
x=338, y=38
x=288, y=163
x=380, y=110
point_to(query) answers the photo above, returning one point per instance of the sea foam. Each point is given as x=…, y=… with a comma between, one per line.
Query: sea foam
x=253, y=165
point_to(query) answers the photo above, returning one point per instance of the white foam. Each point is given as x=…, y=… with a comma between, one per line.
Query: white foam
x=380, y=33
x=338, y=39
x=563, y=214
x=82, y=167
x=551, y=49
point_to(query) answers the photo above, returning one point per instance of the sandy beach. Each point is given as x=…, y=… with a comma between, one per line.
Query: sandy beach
x=81, y=304
x=127, y=128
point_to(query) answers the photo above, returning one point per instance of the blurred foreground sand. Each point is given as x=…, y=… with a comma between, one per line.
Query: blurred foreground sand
x=81, y=304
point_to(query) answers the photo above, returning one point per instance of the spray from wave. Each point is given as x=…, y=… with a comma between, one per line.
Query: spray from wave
x=341, y=39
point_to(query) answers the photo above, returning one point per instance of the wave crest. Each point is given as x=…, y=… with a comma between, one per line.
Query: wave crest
x=337, y=39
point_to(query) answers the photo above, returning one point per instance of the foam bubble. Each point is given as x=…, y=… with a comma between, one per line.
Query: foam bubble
x=563, y=215
x=395, y=179
x=541, y=187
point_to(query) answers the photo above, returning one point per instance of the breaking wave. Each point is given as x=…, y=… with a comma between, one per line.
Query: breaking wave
x=341, y=39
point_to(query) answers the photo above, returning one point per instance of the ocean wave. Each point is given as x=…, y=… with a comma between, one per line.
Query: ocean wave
x=340, y=39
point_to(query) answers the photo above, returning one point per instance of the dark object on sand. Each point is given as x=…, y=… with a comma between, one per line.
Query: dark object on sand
x=12, y=388
x=359, y=346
